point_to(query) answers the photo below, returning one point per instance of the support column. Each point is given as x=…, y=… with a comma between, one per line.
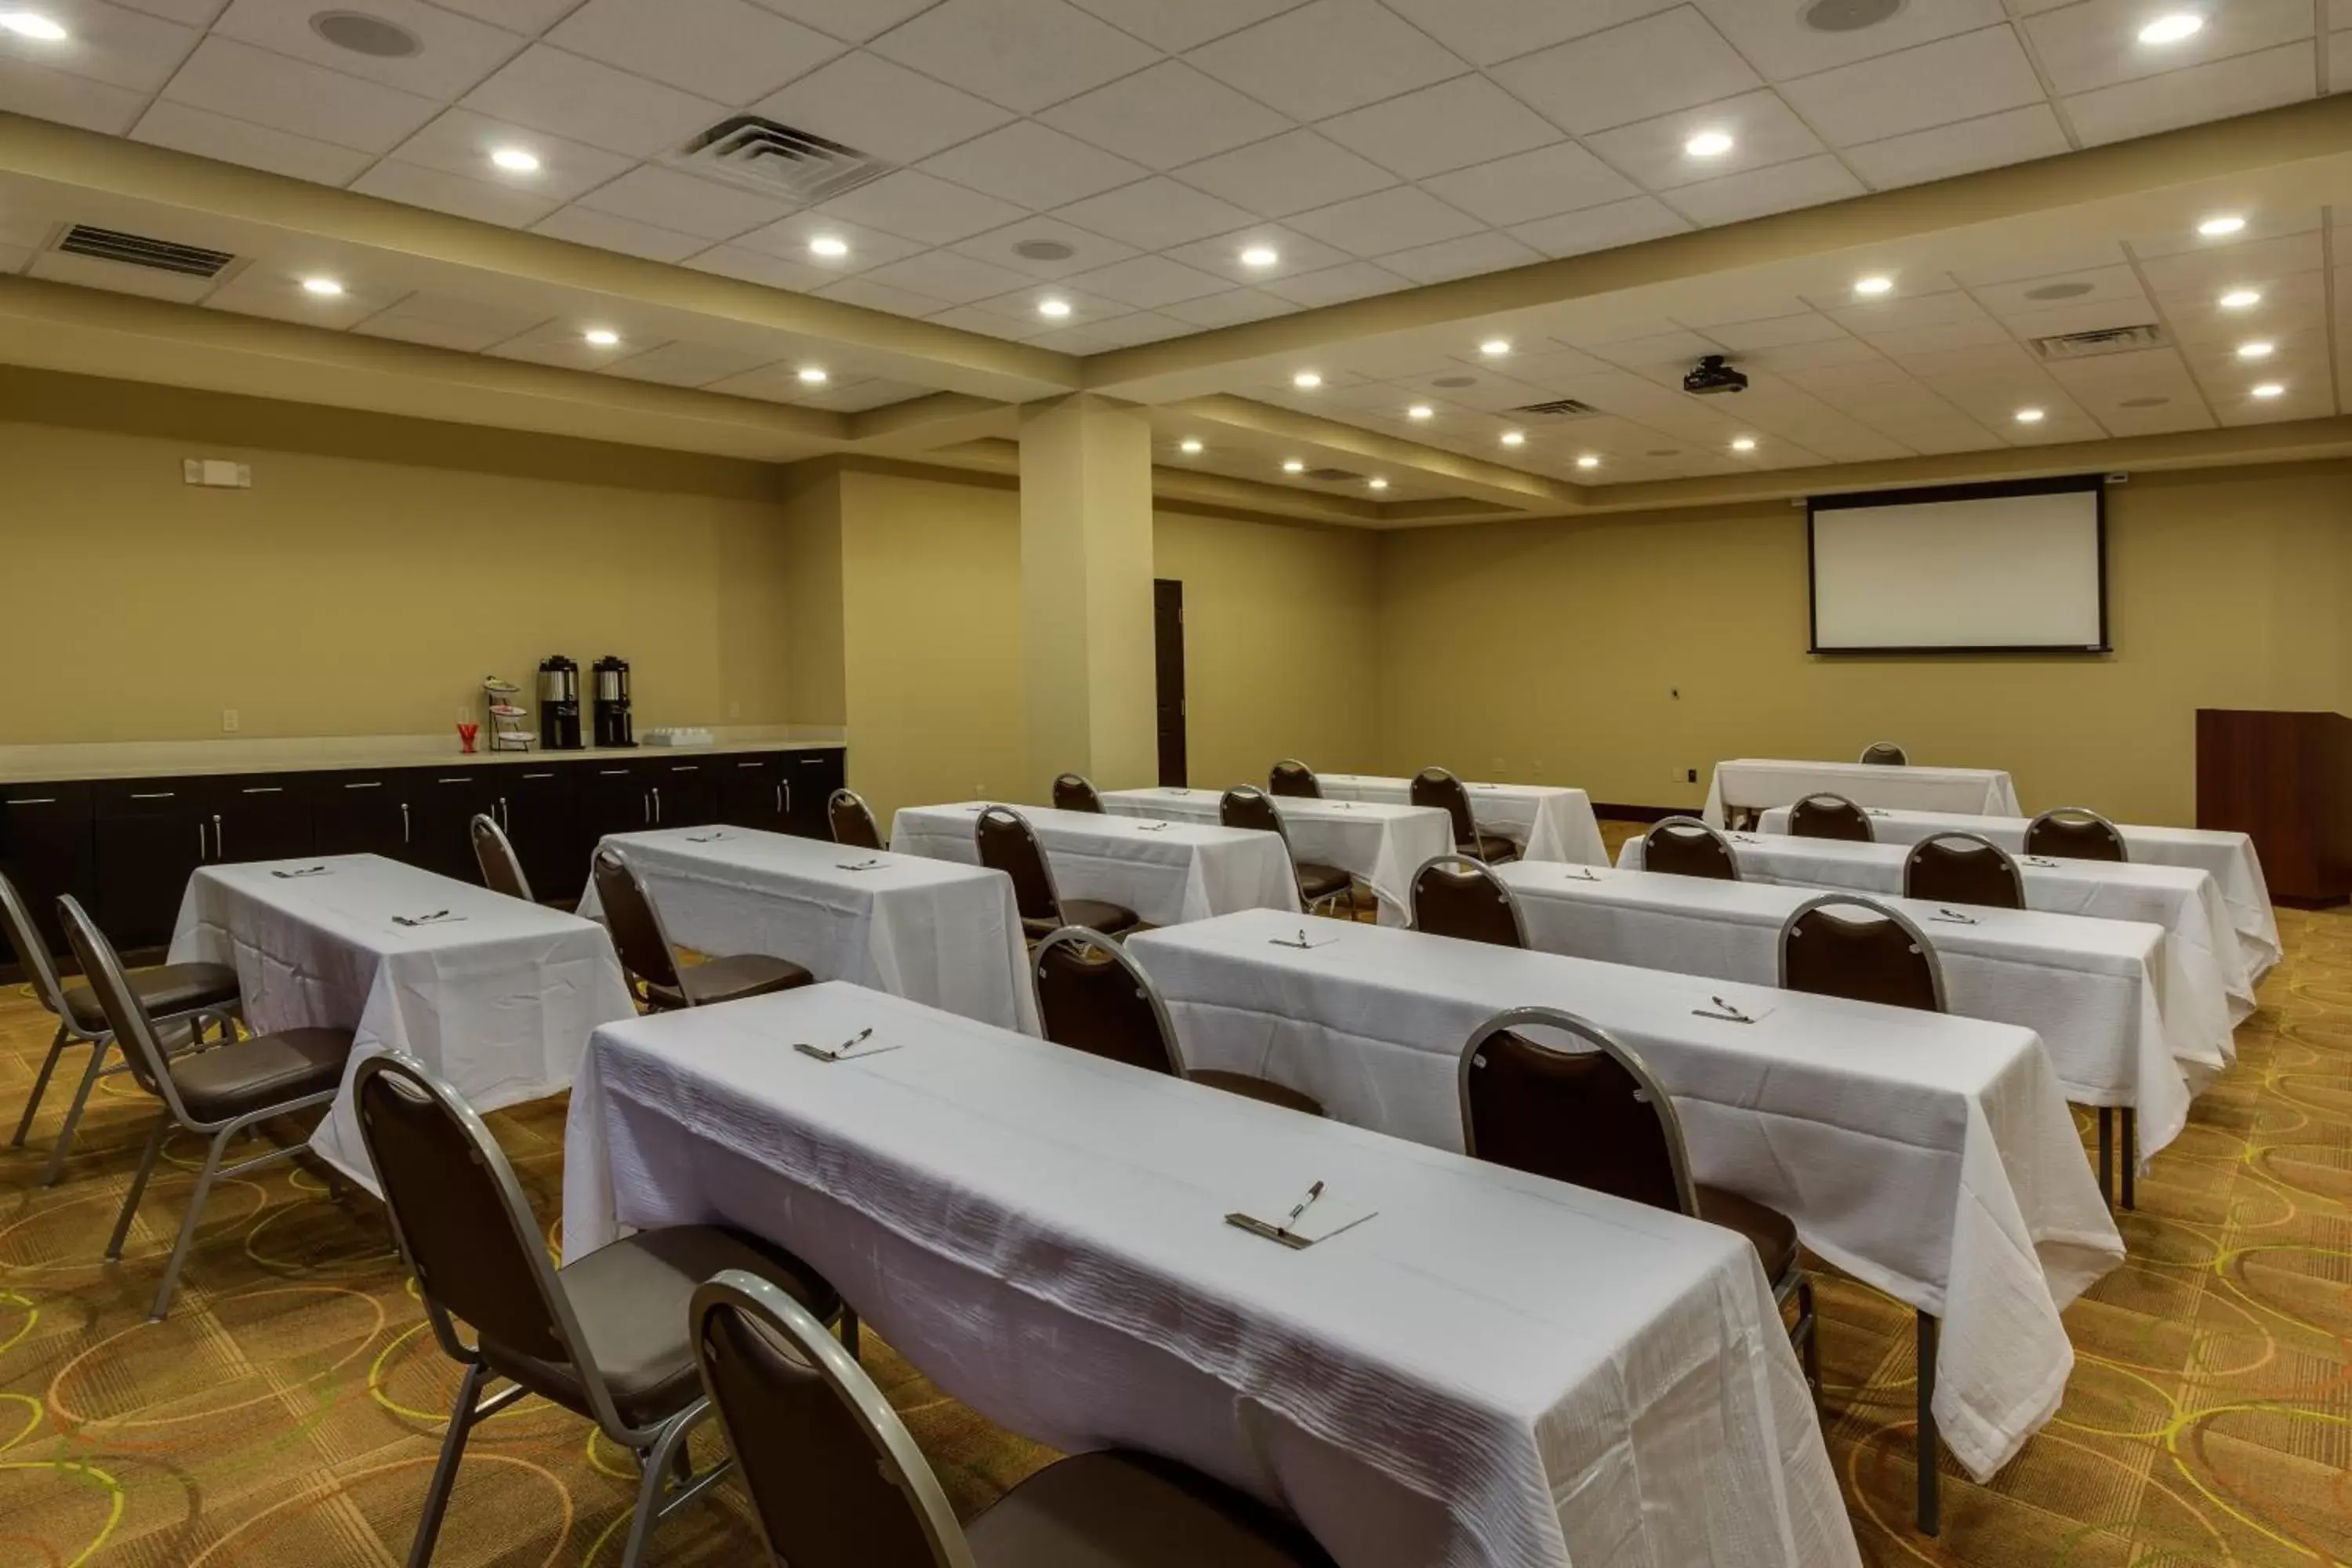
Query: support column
x=1086, y=585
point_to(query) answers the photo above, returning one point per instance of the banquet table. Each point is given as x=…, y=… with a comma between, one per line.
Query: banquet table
x=1381, y=845
x=1492, y=1369
x=497, y=997
x=2230, y=857
x=2094, y=990
x=1548, y=822
x=1755, y=784
x=1929, y=1156
x=928, y=930
x=1166, y=872
x=2186, y=901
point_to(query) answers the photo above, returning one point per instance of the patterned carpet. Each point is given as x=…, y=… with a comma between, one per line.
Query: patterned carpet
x=289, y=1410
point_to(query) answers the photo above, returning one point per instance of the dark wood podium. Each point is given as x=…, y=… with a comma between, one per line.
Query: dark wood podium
x=2287, y=780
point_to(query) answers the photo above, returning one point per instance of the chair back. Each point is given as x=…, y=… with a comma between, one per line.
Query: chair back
x=1689, y=848
x=1248, y=806
x=1293, y=777
x=1955, y=867
x=1435, y=787
x=1585, y=1111
x=1075, y=792
x=502, y=868
x=1831, y=816
x=126, y=1014
x=639, y=939
x=1886, y=754
x=1881, y=957
x=835, y=1478
x=1093, y=997
x=852, y=820
x=1008, y=844
x=2074, y=833
x=31, y=948
x=1460, y=896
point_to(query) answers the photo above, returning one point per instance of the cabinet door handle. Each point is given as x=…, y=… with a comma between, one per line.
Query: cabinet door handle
x=780, y=799
x=267, y=789
x=220, y=848
x=750, y=764
x=372, y=784
x=156, y=795
x=656, y=793
x=687, y=768
x=645, y=803
x=405, y=835
x=539, y=775
x=506, y=814
x=37, y=800
x=201, y=853
x=788, y=797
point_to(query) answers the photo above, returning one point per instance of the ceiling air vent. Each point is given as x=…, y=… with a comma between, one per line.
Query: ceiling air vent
x=2106, y=340
x=138, y=251
x=1560, y=408
x=773, y=157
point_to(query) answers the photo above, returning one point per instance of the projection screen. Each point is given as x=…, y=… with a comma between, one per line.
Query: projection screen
x=2012, y=568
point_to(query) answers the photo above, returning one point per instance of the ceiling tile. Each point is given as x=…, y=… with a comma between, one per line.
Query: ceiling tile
x=1529, y=185
x=1397, y=220
x=971, y=319
x=1155, y=213
x=433, y=334
x=106, y=43
x=1328, y=58
x=1023, y=54
x=1166, y=116
x=876, y=106
x=1354, y=281
x=1294, y=252
x=69, y=100
x=460, y=141
x=2288, y=304
x=561, y=342
x=2216, y=92
x=1808, y=182
x=1487, y=252
x=854, y=20
x=186, y=129
x=759, y=267
x=667, y=199
x=585, y=225
x=1486, y=32
x=2081, y=257
x=688, y=365
x=2025, y=295
x=455, y=52
x=1150, y=282
x=944, y=275
x=1118, y=333
x=921, y=206
x=452, y=311
x=2081, y=316
x=862, y=291
x=1764, y=130
x=789, y=237
x=1020, y=305
x=118, y=277
x=246, y=83
x=2095, y=44
x=1456, y=123
x=277, y=293
x=1645, y=68
x=1906, y=307
x=1924, y=350
x=190, y=13
x=1176, y=25
x=1290, y=174
x=2255, y=262
x=549, y=89
x=2261, y=224
x=1595, y=229
x=1002, y=247
x=418, y=186
x=1776, y=332
x=1776, y=40
x=1963, y=77
x=1034, y=166
x=856, y=397
x=721, y=49
x=530, y=17
x=2015, y=137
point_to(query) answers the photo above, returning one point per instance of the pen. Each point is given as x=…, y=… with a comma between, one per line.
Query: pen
x=854, y=1041
x=1312, y=1193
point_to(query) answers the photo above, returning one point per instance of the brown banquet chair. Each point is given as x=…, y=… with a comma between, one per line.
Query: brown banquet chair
x=1075, y=792
x=1436, y=787
x=1320, y=887
x=643, y=945
x=1831, y=816
x=2074, y=833
x=851, y=821
x=1886, y=754
x=1881, y=957
x=1294, y=779
x=606, y=1337
x=1008, y=844
x=1093, y=997
x=1956, y=867
x=1685, y=847
x=1460, y=896
x=838, y=1482
x=501, y=867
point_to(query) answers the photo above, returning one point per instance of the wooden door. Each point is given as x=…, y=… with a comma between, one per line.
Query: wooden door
x=1168, y=642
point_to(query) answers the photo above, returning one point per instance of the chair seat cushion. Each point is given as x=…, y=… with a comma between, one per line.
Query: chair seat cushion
x=730, y=979
x=1094, y=914
x=261, y=1071
x=1260, y=1089
x=1318, y=881
x=630, y=1300
x=1491, y=847
x=167, y=989
x=1131, y=1510
x=1769, y=1230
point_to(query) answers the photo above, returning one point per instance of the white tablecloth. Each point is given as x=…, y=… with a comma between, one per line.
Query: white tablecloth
x=1381, y=845
x=1492, y=1370
x=1549, y=822
x=942, y=934
x=2094, y=990
x=1930, y=1155
x=2185, y=901
x=500, y=1001
x=1167, y=874
x=2230, y=857
x=1756, y=783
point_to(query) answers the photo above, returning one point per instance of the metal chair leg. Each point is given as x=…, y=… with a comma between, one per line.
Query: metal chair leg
x=655, y=1463
x=2131, y=1153
x=2107, y=1155
x=188, y=1238
x=1811, y=1320
x=444, y=1472
x=1931, y=1443
x=64, y=1144
x=40, y=1086
x=138, y=1186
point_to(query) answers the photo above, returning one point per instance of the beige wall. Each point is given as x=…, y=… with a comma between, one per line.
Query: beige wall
x=1554, y=650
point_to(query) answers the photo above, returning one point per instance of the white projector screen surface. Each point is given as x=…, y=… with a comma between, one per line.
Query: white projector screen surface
x=1974, y=574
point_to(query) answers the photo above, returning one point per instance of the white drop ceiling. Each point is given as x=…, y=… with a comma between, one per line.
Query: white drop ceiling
x=1377, y=147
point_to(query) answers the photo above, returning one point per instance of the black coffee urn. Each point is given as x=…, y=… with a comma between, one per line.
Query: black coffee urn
x=613, y=727
x=559, y=705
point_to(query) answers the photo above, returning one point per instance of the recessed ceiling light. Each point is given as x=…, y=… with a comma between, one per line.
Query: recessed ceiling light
x=1044, y=249
x=2171, y=27
x=32, y=24
x=1293, y=466
x=2242, y=299
x=1056, y=309
x=603, y=337
x=1260, y=256
x=1515, y=438
x=2068, y=288
x=323, y=286
x=1378, y=484
x=1873, y=284
x=2028, y=416
x=1419, y=411
x=2258, y=349
x=1848, y=15
x=1307, y=381
x=1709, y=144
x=2220, y=223
x=813, y=375
x=1588, y=461
x=1744, y=443
x=516, y=160
x=2269, y=389
x=1190, y=446
x=832, y=247
x=1494, y=348
x=364, y=35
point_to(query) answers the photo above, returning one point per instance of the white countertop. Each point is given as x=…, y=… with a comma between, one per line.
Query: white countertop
x=337, y=753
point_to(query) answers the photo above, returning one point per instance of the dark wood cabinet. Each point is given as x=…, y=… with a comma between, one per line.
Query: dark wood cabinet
x=2284, y=780
x=685, y=794
x=613, y=799
x=44, y=849
x=361, y=813
x=148, y=837
x=540, y=809
x=442, y=805
x=809, y=779
x=751, y=793
x=262, y=816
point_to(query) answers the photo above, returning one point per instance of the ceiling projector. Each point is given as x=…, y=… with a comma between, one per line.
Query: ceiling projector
x=1711, y=374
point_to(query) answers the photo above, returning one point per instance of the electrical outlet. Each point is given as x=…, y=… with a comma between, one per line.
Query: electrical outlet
x=1498, y=771
x=1673, y=775
x=228, y=721
x=1535, y=770
x=734, y=710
